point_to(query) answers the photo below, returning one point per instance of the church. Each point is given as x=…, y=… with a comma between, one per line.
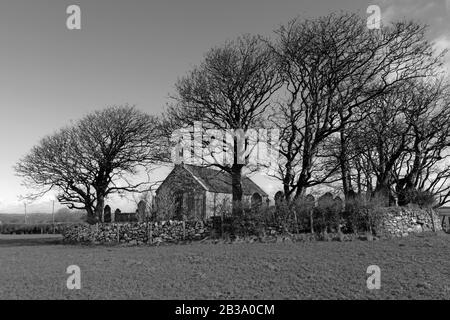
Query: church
x=202, y=192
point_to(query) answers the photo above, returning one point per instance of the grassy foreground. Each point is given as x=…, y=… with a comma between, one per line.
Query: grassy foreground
x=417, y=267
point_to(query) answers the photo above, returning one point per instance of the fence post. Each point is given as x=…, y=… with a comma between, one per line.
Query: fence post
x=150, y=233
x=184, y=230
x=221, y=225
x=296, y=222
x=118, y=233
x=432, y=219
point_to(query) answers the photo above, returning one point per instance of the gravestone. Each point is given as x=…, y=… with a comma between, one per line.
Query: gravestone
x=310, y=201
x=279, y=198
x=142, y=210
x=107, y=214
x=325, y=201
x=338, y=204
x=256, y=201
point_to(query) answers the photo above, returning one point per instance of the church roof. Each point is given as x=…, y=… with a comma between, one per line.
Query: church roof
x=219, y=181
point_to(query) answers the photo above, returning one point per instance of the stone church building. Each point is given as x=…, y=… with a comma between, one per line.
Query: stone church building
x=203, y=192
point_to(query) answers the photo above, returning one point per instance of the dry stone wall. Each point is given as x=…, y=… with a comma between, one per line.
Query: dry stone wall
x=401, y=221
x=395, y=222
x=136, y=233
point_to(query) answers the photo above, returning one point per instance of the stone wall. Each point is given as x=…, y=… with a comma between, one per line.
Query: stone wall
x=136, y=233
x=401, y=221
x=395, y=222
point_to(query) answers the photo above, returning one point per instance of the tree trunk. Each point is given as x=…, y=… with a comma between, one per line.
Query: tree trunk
x=346, y=181
x=91, y=218
x=301, y=186
x=236, y=181
x=383, y=191
x=100, y=207
x=431, y=213
x=305, y=175
x=287, y=193
x=287, y=183
x=359, y=182
x=345, y=168
x=409, y=182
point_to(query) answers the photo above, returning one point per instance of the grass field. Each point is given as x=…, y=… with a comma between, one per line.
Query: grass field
x=36, y=218
x=417, y=267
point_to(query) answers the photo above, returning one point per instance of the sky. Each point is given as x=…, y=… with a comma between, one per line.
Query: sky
x=131, y=52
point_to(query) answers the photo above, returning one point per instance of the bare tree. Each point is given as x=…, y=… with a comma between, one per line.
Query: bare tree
x=230, y=90
x=424, y=165
x=403, y=144
x=333, y=68
x=93, y=158
x=383, y=138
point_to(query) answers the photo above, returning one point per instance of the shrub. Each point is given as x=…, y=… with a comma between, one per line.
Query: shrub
x=363, y=214
x=327, y=214
x=32, y=228
x=253, y=222
x=294, y=216
x=423, y=199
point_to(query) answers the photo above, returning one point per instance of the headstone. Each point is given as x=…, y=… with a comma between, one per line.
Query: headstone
x=338, y=204
x=256, y=201
x=325, y=201
x=310, y=201
x=117, y=214
x=279, y=198
x=107, y=214
x=142, y=210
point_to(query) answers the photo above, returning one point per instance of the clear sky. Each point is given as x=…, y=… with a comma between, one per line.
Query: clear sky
x=130, y=52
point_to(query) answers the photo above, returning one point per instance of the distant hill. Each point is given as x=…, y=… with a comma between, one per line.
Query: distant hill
x=63, y=215
x=444, y=210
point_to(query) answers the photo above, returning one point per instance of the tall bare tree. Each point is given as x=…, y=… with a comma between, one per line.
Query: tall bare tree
x=230, y=90
x=385, y=137
x=333, y=67
x=404, y=143
x=424, y=164
x=93, y=158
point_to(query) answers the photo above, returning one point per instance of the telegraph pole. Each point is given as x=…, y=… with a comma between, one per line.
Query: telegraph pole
x=53, y=215
x=25, y=205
